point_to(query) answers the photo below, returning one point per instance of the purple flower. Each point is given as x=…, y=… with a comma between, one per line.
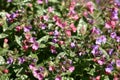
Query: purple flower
x=27, y=28
x=10, y=60
x=113, y=35
x=34, y=60
x=55, y=40
x=111, y=51
x=109, y=68
x=117, y=2
x=56, y=33
x=35, y=46
x=101, y=39
x=43, y=26
x=41, y=68
x=118, y=63
x=95, y=49
x=72, y=45
x=114, y=14
x=118, y=38
x=21, y=60
x=96, y=30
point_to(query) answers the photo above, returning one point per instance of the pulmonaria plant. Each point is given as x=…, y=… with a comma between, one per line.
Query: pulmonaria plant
x=59, y=40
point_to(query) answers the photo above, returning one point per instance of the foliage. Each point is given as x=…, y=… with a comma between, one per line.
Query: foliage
x=59, y=40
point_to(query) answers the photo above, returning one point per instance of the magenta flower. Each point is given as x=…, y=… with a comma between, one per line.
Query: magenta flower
x=35, y=46
x=118, y=63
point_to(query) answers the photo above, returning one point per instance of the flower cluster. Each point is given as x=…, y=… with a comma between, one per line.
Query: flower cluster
x=60, y=39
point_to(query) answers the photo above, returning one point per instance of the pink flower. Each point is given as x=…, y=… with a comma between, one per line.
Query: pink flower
x=53, y=50
x=107, y=25
x=45, y=18
x=68, y=33
x=110, y=24
x=25, y=47
x=97, y=78
x=5, y=40
x=90, y=6
x=35, y=46
x=32, y=67
x=58, y=78
x=51, y=68
x=39, y=1
x=74, y=29
x=71, y=69
x=50, y=9
x=18, y=28
x=100, y=62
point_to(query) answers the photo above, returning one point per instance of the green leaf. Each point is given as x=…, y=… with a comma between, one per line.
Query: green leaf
x=61, y=54
x=13, y=25
x=3, y=51
x=106, y=78
x=91, y=72
x=43, y=39
x=42, y=45
x=2, y=60
x=53, y=1
x=22, y=77
x=104, y=52
x=4, y=77
x=82, y=27
x=32, y=55
x=2, y=35
x=17, y=39
x=3, y=15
